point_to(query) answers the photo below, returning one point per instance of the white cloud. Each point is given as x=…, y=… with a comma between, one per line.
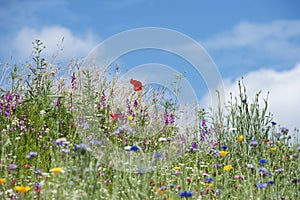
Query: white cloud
x=250, y=44
x=284, y=97
x=73, y=45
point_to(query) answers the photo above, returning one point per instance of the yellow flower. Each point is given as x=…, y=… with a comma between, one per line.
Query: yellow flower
x=132, y=124
x=21, y=189
x=130, y=117
x=223, y=153
x=240, y=138
x=56, y=170
x=177, y=168
x=227, y=167
x=161, y=191
x=273, y=149
x=2, y=180
x=210, y=185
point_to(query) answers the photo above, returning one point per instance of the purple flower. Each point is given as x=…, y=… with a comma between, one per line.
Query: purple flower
x=31, y=154
x=37, y=171
x=217, y=165
x=58, y=102
x=273, y=123
x=65, y=150
x=140, y=171
x=185, y=194
x=253, y=143
x=13, y=166
x=158, y=155
x=96, y=142
x=73, y=82
x=82, y=147
x=261, y=185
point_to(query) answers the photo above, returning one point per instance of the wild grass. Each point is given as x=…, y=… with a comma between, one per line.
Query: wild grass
x=84, y=136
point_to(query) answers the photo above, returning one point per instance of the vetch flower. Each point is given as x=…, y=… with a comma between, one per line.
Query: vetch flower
x=21, y=189
x=227, y=167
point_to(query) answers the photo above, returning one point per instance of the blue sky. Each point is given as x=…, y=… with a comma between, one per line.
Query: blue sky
x=259, y=40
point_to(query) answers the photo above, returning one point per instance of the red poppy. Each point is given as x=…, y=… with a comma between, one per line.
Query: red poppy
x=136, y=84
x=115, y=116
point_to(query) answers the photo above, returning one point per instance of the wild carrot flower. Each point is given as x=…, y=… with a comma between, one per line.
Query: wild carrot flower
x=227, y=167
x=21, y=189
x=223, y=153
x=240, y=138
x=2, y=181
x=56, y=170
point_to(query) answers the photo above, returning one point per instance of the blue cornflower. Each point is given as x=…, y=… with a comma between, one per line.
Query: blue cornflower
x=262, y=161
x=134, y=148
x=262, y=169
x=82, y=147
x=65, y=150
x=261, y=185
x=185, y=194
x=140, y=171
x=209, y=180
x=31, y=154
x=158, y=155
x=253, y=143
x=37, y=171
x=96, y=142
x=224, y=147
x=271, y=182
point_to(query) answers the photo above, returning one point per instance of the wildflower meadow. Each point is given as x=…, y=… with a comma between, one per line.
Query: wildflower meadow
x=73, y=133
